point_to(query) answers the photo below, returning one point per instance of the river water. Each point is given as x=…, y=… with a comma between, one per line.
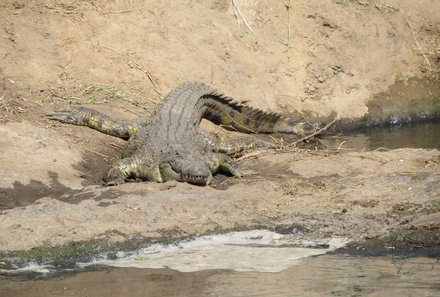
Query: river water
x=416, y=135
x=248, y=263
x=328, y=275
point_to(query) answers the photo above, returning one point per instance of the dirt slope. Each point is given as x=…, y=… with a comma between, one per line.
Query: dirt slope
x=338, y=55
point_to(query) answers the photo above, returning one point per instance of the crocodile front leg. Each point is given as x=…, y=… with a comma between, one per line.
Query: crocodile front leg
x=220, y=162
x=132, y=168
x=82, y=116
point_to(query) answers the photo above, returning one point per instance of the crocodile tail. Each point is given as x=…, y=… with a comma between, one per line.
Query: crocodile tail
x=223, y=110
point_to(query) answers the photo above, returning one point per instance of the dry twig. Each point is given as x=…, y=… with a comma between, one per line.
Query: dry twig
x=95, y=152
x=301, y=114
x=138, y=66
x=117, y=11
x=315, y=133
x=130, y=110
x=116, y=146
x=418, y=45
x=242, y=18
x=289, y=8
x=340, y=146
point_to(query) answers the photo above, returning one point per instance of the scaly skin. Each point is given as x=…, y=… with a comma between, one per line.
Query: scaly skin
x=88, y=117
x=171, y=147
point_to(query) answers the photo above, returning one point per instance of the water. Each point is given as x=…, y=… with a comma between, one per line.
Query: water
x=417, y=135
x=421, y=135
x=317, y=276
x=251, y=263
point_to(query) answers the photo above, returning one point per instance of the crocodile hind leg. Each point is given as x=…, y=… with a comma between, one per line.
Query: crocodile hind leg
x=91, y=118
x=240, y=146
x=132, y=168
x=232, y=147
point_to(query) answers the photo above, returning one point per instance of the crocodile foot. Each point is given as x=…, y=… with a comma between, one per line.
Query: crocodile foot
x=76, y=116
x=241, y=172
x=113, y=178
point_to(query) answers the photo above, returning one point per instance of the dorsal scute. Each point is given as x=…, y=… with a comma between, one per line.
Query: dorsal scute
x=251, y=112
x=226, y=100
x=242, y=114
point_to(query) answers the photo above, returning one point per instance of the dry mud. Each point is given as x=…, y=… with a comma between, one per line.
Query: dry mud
x=122, y=57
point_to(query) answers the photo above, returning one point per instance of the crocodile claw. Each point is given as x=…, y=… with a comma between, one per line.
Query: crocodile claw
x=114, y=182
x=69, y=116
x=113, y=178
x=240, y=172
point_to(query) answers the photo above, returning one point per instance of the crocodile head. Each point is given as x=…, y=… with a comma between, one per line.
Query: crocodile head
x=186, y=167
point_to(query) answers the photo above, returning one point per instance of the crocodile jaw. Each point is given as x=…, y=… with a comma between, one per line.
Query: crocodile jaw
x=167, y=173
x=201, y=180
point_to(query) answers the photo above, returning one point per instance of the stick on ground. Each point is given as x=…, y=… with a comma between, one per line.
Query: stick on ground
x=242, y=18
x=138, y=66
x=418, y=45
x=315, y=133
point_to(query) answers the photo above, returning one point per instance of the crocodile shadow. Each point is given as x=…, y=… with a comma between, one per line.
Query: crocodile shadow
x=21, y=195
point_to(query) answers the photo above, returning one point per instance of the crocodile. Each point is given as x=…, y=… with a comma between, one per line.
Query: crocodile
x=170, y=146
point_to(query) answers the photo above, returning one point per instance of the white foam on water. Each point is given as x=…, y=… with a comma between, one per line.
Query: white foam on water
x=30, y=267
x=256, y=250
